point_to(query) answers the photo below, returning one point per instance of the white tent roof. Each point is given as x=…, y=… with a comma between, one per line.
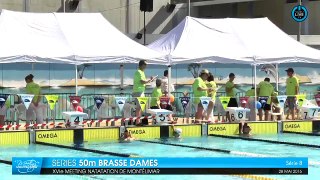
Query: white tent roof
x=67, y=38
x=232, y=40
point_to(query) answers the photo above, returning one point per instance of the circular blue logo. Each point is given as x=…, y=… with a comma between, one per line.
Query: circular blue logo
x=299, y=13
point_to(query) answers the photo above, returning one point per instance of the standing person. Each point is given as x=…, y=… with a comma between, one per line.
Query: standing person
x=265, y=89
x=212, y=94
x=76, y=106
x=292, y=89
x=33, y=88
x=165, y=83
x=139, y=85
x=200, y=89
x=230, y=91
x=251, y=104
x=155, y=96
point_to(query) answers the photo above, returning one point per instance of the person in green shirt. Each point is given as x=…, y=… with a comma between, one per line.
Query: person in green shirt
x=251, y=104
x=33, y=88
x=139, y=85
x=156, y=94
x=200, y=89
x=230, y=91
x=265, y=89
x=292, y=89
x=212, y=94
x=250, y=92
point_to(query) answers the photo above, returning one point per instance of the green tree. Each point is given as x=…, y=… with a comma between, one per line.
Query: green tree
x=194, y=69
x=81, y=69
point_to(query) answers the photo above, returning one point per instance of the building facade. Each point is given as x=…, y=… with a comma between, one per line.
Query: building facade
x=166, y=14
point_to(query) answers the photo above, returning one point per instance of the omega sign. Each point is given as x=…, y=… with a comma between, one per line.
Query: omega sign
x=140, y=131
x=223, y=128
x=47, y=135
x=292, y=126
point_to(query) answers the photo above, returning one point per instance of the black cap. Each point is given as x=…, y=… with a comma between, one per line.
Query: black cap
x=290, y=70
x=231, y=75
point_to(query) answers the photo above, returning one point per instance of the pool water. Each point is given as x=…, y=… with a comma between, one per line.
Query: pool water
x=145, y=149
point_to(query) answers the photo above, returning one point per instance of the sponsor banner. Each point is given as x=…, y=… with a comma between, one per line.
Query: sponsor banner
x=61, y=136
x=145, y=132
x=3, y=99
x=301, y=98
x=263, y=100
x=27, y=99
x=75, y=98
x=244, y=101
x=317, y=98
x=282, y=100
x=98, y=100
x=205, y=102
x=224, y=101
x=263, y=127
x=184, y=101
x=164, y=102
x=302, y=126
x=14, y=138
x=93, y=135
x=143, y=102
x=120, y=101
x=52, y=100
x=223, y=129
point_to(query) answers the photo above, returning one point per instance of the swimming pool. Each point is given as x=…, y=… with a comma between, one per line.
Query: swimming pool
x=156, y=148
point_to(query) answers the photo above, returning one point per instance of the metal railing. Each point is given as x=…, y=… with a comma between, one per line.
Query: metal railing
x=87, y=101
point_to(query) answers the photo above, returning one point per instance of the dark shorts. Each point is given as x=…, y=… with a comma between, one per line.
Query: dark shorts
x=267, y=107
x=169, y=107
x=292, y=102
x=233, y=102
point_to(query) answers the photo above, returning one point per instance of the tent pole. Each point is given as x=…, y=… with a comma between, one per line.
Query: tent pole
x=121, y=77
x=169, y=79
x=299, y=27
x=277, y=77
x=255, y=92
x=189, y=8
x=144, y=28
x=64, y=6
x=169, y=74
x=76, y=79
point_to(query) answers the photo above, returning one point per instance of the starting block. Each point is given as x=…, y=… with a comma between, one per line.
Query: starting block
x=161, y=115
x=309, y=112
x=237, y=113
x=75, y=118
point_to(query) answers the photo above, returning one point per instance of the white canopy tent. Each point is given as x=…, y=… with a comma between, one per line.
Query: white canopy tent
x=231, y=40
x=67, y=38
x=74, y=38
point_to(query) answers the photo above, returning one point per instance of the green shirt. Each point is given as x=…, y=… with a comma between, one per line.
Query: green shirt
x=197, y=94
x=213, y=93
x=33, y=88
x=137, y=85
x=155, y=97
x=292, y=83
x=250, y=93
x=230, y=93
x=265, y=89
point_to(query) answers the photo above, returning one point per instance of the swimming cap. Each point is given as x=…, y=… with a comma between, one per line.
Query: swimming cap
x=178, y=130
